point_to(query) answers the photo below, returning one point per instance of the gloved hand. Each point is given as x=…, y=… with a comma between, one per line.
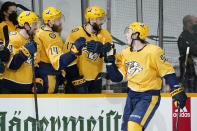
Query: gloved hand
x=95, y=46
x=39, y=86
x=80, y=85
x=76, y=49
x=109, y=56
x=2, y=67
x=178, y=95
x=107, y=47
x=5, y=54
x=29, y=49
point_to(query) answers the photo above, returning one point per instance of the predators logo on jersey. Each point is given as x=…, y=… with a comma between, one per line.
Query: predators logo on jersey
x=92, y=56
x=133, y=68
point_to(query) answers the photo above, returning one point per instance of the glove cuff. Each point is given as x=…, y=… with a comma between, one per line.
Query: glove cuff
x=40, y=81
x=25, y=52
x=175, y=91
x=78, y=82
x=74, y=49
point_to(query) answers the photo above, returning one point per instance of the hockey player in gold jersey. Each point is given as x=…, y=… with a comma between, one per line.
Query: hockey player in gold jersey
x=83, y=72
x=51, y=57
x=143, y=65
x=18, y=77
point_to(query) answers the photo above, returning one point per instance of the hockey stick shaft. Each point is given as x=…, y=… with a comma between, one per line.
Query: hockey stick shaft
x=187, y=55
x=22, y=7
x=185, y=63
x=6, y=35
x=35, y=96
x=35, y=91
x=178, y=113
x=119, y=42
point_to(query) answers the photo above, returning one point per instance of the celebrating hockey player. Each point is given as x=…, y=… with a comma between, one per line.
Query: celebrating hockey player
x=17, y=77
x=83, y=72
x=143, y=65
x=51, y=57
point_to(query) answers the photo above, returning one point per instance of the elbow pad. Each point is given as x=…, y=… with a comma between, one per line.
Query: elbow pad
x=66, y=59
x=17, y=61
x=114, y=73
x=171, y=79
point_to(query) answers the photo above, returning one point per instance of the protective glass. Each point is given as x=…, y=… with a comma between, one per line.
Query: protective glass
x=128, y=31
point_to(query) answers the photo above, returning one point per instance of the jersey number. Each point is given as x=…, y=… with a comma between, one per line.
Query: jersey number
x=54, y=50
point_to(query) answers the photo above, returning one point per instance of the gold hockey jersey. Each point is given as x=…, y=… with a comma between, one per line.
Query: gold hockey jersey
x=144, y=68
x=51, y=47
x=89, y=64
x=11, y=28
x=24, y=74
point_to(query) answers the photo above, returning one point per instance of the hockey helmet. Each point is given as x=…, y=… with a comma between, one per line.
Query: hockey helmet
x=27, y=17
x=50, y=14
x=141, y=28
x=94, y=12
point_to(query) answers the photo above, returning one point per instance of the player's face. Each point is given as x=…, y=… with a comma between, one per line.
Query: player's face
x=128, y=33
x=57, y=27
x=34, y=27
x=98, y=24
x=100, y=21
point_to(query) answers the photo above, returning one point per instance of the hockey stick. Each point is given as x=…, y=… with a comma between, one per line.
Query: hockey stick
x=22, y=7
x=178, y=113
x=35, y=95
x=186, y=62
x=6, y=35
x=178, y=104
x=35, y=92
x=118, y=41
x=187, y=55
x=166, y=38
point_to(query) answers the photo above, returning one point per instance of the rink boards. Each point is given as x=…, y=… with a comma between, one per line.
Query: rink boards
x=98, y=112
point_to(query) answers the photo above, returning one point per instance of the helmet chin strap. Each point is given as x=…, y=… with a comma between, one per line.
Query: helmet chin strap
x=131, y=45
x=134, y=39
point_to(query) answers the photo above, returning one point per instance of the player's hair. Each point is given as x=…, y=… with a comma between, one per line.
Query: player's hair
x=5, y=8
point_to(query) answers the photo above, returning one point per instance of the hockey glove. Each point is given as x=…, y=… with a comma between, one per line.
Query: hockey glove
x=109, y=57
x=29, y=49
x=107, y=47
x=2, y=67
x=178, y=95
x=5, y=54
x=76, y=48
x=39, y=86
x=95, y=46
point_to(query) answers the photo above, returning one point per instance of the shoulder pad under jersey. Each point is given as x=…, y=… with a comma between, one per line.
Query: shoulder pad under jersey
x=52, y=35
